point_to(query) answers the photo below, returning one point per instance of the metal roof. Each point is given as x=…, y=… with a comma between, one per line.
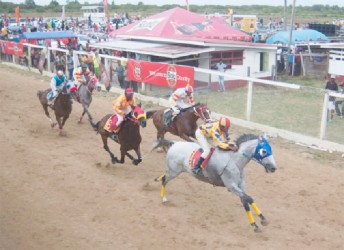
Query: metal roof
x=151, y=48
x=47, y=35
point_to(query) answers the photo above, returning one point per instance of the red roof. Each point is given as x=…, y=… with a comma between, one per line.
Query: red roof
x=178, y=23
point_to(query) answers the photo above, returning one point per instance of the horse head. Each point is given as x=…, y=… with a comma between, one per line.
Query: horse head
x=261, y=153
x=202, y=111
x=93, y=83
x=139, y=115
x=71, y=89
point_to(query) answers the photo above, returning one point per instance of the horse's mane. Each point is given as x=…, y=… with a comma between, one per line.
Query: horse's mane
x=245, y=138
x=193, y=106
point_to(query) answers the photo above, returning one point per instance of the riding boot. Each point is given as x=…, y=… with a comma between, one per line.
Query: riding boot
x=197, y=169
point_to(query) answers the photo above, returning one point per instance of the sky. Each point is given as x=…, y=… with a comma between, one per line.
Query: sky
x=201, y=2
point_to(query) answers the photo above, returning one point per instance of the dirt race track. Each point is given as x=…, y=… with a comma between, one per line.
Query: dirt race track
x=62, y=192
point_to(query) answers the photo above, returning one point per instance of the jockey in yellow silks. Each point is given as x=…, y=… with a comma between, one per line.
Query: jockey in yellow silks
x=181, y=98
x=80, y=73
x=213, y=134
x=56, y=84
x=123, y=105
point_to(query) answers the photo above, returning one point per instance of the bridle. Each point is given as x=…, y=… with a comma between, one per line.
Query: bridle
x=199, y=111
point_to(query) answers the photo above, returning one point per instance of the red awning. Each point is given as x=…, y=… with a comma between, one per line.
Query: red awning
x=178, y=23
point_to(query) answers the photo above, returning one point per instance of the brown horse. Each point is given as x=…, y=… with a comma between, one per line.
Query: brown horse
x=184, y=125
x=62, y=106
x=128, y=137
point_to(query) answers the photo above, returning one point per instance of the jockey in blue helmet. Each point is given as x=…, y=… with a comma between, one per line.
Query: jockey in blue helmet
x=56, y=85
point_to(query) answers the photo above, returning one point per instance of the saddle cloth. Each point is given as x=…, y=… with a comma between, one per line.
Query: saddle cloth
x=196, y=155
x=108, y=125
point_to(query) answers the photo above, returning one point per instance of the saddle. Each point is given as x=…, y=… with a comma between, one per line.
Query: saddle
x=110, y=125
x=196, y=155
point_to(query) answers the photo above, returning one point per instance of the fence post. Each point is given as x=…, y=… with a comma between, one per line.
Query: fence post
x=249, y=97
x=324, y=117
x=29, y=53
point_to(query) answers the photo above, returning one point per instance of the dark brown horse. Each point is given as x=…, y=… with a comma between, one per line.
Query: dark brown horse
x=62, y=106
x=184, y=125
x=128, y=137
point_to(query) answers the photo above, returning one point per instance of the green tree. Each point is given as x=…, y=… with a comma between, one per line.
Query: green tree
x=30, y=4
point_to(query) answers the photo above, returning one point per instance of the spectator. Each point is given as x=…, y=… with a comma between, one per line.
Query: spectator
x=60, y=62
x=96, y=65
x=220, y=66
x=331, y=85
x=70, y=66
x=52, y=61
x=340, y=113
x=120, y=74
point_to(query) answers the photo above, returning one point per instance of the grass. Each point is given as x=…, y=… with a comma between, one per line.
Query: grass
x=293, y=110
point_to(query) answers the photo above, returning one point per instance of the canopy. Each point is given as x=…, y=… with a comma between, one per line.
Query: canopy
x=178, y=23
x=47, y=35
x=305, y=35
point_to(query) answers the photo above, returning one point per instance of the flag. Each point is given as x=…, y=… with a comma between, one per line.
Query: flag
x=187, y=5
x=16, y=10
x=105, y=3
x=63, y=13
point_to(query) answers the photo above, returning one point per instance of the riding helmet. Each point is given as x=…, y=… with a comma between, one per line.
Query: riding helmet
x=129, y=93
x=224, y=123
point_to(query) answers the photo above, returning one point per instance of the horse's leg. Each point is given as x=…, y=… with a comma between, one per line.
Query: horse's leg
x=186, y=137
x=45, y=108
x=123, y=153
x=227, y=178
x=139, y=158
x=106, y=147
x=167, y=177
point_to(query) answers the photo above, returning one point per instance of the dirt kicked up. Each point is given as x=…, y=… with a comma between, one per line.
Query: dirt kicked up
x=62, y=192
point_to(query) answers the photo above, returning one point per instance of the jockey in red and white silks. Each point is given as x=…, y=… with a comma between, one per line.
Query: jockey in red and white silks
x=181, y=98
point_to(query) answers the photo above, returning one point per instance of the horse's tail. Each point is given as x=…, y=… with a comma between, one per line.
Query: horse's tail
x=162, y=143
x=94, y=125
x=150, y=113
x=39, y=93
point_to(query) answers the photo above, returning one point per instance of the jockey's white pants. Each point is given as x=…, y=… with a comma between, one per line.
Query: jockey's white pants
x=120, y=117
x=205, y=143
x=175, y=111
x=53, y=93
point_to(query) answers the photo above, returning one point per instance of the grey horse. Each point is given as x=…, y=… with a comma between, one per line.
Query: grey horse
x=224, y=168
x=85, y=95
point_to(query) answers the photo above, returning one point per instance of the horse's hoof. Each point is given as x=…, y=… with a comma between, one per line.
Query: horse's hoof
x=257, y=229
x=164, y=200
x=53, y=125
x=136, y=161
x=114, y=161
x=62, y=133
x=264, y=222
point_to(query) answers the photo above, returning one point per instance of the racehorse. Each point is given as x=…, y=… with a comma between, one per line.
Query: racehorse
x=128, y=137
x=184, y=125
x=224, y=168
x=62, y=105
x=85, y=95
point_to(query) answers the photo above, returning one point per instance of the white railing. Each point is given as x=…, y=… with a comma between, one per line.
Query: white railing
x=308, y=140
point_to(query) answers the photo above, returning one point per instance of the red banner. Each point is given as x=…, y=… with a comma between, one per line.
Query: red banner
x=167, y=75
x=12, y=48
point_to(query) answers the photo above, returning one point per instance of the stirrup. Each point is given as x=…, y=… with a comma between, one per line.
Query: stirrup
x=114, y=137
x=51, y=106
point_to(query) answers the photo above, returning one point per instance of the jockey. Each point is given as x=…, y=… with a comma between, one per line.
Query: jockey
x=123, y=105
x=56, y=85
x=180, y=99
x=213, y=134
x=80, y=73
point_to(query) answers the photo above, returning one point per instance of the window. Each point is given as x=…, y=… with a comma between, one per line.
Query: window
x=229, y=57
x=263, y=61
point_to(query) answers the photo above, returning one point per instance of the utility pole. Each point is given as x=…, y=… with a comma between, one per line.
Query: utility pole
x=284, y=15
x=290, y=34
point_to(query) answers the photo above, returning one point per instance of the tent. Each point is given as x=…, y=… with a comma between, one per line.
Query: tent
x=178, y=23
x=305, y=35
x=47, y=35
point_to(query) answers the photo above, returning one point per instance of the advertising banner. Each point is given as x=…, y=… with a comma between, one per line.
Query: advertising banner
x=167, y=75
x=12, y=48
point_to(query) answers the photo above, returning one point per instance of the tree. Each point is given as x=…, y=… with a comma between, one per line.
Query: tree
x=30, y=4
x=113, y=3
